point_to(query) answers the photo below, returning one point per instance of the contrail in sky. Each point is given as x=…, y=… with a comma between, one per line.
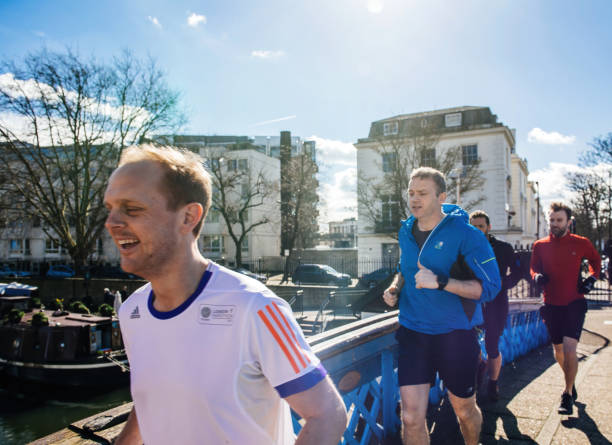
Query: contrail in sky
x=286, y=118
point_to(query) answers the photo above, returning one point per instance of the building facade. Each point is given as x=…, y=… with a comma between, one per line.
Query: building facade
x=476, y=135
x=343, y=233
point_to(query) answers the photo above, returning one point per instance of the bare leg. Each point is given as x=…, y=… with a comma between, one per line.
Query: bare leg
x=414, y=409
x=559, y=356
x=570, y=362
x=494, y=365
x=469, y=417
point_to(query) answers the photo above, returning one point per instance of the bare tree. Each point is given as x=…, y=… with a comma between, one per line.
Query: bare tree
x=302, y=229
x=237, y=192
x=64, y=121
x=384, y=201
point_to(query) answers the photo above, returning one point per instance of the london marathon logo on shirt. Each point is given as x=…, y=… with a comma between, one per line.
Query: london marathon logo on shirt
x=217, y=314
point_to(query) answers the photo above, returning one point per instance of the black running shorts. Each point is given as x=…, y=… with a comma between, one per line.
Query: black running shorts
x=495, y=314
x=453, y=355
x=564, y=321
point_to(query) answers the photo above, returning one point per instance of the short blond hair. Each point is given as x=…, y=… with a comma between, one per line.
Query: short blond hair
x=431, y=173
x=185, y=179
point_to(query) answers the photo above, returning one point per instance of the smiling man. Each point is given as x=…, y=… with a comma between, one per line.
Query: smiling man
x=215, y=356
x=447, y=268
x=555, y=267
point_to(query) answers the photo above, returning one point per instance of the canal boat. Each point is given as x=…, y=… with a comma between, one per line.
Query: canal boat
x=68, y=349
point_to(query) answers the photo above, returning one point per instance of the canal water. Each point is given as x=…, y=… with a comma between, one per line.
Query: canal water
x=28, y=413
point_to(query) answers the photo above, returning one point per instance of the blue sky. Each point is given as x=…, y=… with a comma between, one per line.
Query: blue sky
x=327, y=69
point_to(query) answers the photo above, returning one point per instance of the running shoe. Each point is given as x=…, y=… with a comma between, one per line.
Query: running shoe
x=567, y=404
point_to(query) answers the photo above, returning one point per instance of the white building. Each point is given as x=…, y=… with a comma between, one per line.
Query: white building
x=508, y=198
x=343, y=233
x=252, y=160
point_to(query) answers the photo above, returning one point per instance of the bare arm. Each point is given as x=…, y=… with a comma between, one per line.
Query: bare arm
x=323, y=411
x=426, y=279
x=130, y=435
x=391, y=294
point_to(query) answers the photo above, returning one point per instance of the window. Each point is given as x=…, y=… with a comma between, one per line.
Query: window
x=16, y=246
x=27, y=250
x=388, y=162
x=452, y=120
x=213, y=216
x=243, y=164
x=232, y=165
x=212, y=243
x=244, y=246
x=428, y=157
x=51, y=247
x=390, y=128
x=470, y=154
x=390, y=211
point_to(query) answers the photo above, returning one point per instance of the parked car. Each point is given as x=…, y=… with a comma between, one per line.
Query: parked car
x=60, y=271
x=371, y=279
x=248, y=273
x=320, y=274
x=7, y=272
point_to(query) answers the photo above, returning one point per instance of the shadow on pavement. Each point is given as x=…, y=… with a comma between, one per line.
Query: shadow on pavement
x=586, y=424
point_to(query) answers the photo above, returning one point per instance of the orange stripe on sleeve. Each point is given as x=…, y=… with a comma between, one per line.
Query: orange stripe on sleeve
x=278, y=340
x=291, y=331
x=278, y=323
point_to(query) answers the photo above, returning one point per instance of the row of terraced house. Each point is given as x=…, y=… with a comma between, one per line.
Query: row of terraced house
x=505, y=194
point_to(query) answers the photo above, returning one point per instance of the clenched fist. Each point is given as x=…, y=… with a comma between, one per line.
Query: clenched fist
x=391, y=295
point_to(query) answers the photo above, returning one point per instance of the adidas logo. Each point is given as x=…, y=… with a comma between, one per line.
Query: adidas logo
x=135, y=313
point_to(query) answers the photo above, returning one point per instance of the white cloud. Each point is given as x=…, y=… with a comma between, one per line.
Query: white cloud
x=155, y=21
x=375, y=6
x=539, y=136
x=553, y=185
x=194, y=20
x=331, y=152
x=22, y=127
x=267, y=54
x=337, y=162
x=39, y=34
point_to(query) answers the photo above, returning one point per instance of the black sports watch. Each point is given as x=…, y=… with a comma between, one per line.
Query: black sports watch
x=442, y=281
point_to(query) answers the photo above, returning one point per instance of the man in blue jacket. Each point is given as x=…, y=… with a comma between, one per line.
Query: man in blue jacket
x=447, y=269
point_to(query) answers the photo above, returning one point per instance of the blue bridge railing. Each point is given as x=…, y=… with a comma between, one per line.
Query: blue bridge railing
x=361, y=359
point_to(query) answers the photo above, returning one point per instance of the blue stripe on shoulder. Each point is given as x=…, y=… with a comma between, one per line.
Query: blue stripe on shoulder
x=302, y=383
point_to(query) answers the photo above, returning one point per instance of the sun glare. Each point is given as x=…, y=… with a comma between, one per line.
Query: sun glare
x=375, y=6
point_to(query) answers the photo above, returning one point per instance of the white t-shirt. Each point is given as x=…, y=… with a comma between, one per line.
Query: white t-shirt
x=215, y=369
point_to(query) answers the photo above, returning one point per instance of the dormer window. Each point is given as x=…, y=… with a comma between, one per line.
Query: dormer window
x=390, y=128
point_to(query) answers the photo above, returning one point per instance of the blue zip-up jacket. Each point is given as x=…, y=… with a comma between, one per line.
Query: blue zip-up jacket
x=452, y=245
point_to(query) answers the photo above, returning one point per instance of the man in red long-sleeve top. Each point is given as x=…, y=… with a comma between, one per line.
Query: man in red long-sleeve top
x=555, y=267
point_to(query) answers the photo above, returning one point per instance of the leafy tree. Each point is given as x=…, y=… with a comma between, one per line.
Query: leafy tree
x=237, y=192
x=64, y=121
x=384, y=201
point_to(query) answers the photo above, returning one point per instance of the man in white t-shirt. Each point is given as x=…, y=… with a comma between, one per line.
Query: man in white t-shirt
x=215, y=356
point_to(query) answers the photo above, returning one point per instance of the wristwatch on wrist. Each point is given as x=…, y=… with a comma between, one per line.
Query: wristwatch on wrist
x=442, y=281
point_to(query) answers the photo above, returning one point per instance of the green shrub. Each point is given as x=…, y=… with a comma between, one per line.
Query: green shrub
x=79, y=307
x=106, y=310
x=15, y=315
x=35, y=303
x=40, y=319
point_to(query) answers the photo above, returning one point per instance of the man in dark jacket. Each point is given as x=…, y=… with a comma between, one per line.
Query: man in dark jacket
x=495, y=312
